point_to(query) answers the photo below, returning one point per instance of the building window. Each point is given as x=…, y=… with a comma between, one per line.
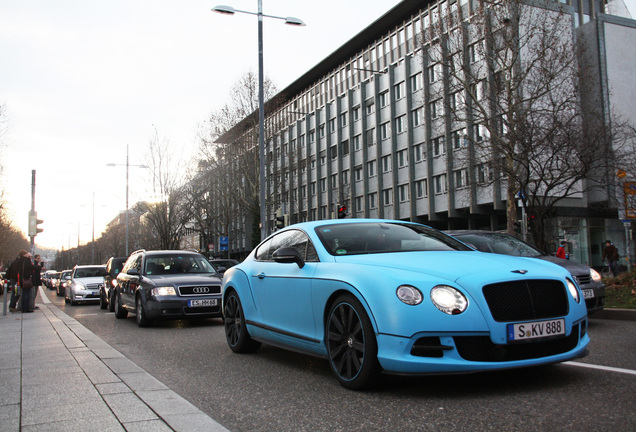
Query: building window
x=356, y=113
x=312, y=136
x=403, y=193
x=399, y=89
x=303, y=191
x=370, y=107
x=334, y=151
x=344, y=147
x=386, y=163
x=400, y=124
x=356, y=143
x=313, y=164
x=345, y=177
x=370, y=137
x=461, y=178
x=460, y=139
x=322, y=130
x=387, y=197
x=359, y=206
x=421, y=188
x=343, y=119
x=433, y=73
x=358, y=173
x=323, y=158
x=371, y=168
x=373, y=200
x=403, y=158
x=416, y=82
x=440, y=184
x=439, y=147
x=332, y=125
x=435, y=107
x=420, y=152
x=323, y=185
x=312, y=188
x=385, y=130
x=477, y=133
x=301, y=139
x=484, y=174
x=384, y=99
x=418, y=115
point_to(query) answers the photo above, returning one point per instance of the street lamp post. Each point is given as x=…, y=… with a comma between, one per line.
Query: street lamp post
x=261, y=103
x=127, y=165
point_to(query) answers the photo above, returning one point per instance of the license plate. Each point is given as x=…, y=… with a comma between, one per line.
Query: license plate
x=588, y=294
x=95, y=292
x=203, y=302
x=535, y=330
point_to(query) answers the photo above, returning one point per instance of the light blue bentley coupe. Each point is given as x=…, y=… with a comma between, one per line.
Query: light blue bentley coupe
x=375, y=296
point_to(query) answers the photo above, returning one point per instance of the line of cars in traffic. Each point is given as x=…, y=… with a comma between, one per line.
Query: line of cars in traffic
x=370, y=296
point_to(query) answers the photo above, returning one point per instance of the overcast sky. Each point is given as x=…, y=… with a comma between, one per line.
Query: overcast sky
x=82, y=79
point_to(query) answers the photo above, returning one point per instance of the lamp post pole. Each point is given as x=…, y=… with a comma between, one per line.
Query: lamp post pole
x=127, y=165
x=261, y=99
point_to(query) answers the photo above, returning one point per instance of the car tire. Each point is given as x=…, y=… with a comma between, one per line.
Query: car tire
x=236, y=332
x=111, y=301
x=120, y=312
x=142, y=318
x=352, y=348
x=102, y=300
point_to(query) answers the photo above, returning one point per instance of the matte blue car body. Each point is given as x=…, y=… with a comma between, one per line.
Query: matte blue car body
x=293, y=315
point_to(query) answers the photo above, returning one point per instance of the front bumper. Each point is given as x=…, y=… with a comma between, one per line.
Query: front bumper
x=463, y=352
x=176, y=307
x=84, y=295
x=594, y=297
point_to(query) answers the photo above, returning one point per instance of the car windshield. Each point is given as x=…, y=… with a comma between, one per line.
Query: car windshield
x=382, y=237
x=86, y=272
x=500, y=243
x=170, y=264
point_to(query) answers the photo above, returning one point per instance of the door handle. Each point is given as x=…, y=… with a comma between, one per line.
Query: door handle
x=261, y=275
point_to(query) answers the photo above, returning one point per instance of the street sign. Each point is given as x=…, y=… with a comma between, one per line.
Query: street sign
x=629, y=191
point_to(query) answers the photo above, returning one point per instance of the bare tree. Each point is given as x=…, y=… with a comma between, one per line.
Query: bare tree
x=512, y=83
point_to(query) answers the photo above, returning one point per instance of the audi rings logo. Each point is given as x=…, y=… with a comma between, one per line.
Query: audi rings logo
x=201, y=290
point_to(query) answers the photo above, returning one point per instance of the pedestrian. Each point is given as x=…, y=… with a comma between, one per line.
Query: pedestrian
x=610, y=254
x=38, y=267
x=561, y=250
x=12, y=276
x=25, y=279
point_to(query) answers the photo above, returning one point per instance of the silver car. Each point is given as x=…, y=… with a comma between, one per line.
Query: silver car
x=85, y=284
x=494, y=242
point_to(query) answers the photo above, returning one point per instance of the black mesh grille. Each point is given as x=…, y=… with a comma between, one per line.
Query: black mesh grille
x=201, y=310
x=481, y=348
x=200, y=290
x=583, y=279
x=526, y=300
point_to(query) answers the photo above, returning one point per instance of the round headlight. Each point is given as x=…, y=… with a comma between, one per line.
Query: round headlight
x=573, y=291
x=596, y=276
x=449, y=300
x=409, y=295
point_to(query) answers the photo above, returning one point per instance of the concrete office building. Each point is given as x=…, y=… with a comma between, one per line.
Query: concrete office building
x=371, y=127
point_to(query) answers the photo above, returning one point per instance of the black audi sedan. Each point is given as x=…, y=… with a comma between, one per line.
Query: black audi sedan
x=168, y=284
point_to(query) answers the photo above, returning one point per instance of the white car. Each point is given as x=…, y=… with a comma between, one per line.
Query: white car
x=85, y=284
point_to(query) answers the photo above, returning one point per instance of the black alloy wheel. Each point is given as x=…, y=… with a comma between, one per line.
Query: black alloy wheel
x=111, y=300
x=351, y=345
x=236, y=333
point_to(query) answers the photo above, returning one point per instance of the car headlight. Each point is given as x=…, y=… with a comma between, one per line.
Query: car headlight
x=113, y=282
x=409, y=295
x=449, y=300
x=78, y=286
x=596, y=276
x=573, y=291
x=163, y=291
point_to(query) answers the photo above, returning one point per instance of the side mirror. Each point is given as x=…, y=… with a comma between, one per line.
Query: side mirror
x=133, y=272
x=288, y=255
x=67, y=278
x=221, y=269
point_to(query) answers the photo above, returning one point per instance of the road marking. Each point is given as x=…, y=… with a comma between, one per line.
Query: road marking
x=606, y=368
x=43, y=296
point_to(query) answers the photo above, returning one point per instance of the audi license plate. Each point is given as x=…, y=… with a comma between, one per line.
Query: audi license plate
x=535, y=330
x=588, y=294
x=201, y=303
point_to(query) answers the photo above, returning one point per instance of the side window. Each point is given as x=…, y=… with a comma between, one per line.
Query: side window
x=135, y=264
x=262, y=253
x=298, y=240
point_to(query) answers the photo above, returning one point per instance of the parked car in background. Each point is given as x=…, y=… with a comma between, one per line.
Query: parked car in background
x=63, y=282
x=167, y=284
x=373, y=295
x=589, y=280
x=85, y=284
x=47, y=279
x=113, y=268
x=223, y=264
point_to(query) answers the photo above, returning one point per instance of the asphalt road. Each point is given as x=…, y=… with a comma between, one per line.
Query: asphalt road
x=277, y=390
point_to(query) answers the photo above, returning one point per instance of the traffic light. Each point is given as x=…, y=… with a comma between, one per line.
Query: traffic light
x=342, y=211
x=33, y=224
x=282, y=220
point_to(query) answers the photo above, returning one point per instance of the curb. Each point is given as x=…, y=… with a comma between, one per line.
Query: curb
x=615, y=314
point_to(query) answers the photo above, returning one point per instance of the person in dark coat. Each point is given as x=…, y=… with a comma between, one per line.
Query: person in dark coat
x=12, y=275
x=610, y=253
x=25, y=271
x=38, y=266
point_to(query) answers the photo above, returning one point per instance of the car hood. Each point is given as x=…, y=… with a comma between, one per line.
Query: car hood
x=181, y=279
x=571, y=266
x=457, y=265
x=89, y=280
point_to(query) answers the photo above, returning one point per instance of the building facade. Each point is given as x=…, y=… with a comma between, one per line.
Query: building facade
x=373, y=127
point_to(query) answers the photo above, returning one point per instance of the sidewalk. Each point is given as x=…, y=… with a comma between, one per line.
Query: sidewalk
x=56, y=375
